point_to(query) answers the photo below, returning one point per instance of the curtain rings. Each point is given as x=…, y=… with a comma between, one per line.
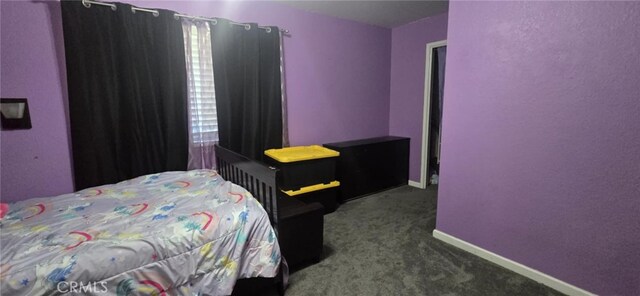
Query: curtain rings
x=154, y=12
x=247, y=27
x=88, y=5
x=214, y=22
x=268, y=29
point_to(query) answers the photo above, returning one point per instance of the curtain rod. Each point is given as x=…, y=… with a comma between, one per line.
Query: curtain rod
x=87, y=4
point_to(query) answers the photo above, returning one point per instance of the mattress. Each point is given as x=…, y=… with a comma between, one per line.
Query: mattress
x=173, y=233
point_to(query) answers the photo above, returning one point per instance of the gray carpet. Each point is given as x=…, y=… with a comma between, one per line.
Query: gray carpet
x=382, y=245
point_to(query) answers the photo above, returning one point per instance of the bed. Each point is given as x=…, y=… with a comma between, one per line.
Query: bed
x=172, y=233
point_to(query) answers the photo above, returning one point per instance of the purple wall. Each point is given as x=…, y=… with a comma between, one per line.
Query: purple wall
x=541, y=139
x=408, y=54
x=34, y=162
x=337, y=75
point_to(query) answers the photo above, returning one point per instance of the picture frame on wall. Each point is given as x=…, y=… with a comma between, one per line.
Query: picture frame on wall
x=15, y=113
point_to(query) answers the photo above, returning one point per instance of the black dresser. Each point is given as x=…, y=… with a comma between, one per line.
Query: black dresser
x=371, y=165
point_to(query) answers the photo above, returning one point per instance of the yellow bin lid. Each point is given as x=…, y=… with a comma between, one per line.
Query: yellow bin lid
x=300, y=153
x=311, y=188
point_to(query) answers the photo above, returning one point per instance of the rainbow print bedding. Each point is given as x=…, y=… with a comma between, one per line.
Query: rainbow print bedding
x=173, y=233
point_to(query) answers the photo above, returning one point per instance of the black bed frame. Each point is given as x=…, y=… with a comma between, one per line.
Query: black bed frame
x=256, y=177
x=261, y=181
x=298, y=225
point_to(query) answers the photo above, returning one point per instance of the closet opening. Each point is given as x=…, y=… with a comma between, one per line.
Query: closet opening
x=432, y=112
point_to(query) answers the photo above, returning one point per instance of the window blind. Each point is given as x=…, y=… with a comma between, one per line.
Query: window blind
x=202, y=96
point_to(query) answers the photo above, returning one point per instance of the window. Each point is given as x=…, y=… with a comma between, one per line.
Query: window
x=202, y=97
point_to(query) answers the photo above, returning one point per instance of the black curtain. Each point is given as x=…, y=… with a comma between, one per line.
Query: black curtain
x=127, y=92
x=246, y=67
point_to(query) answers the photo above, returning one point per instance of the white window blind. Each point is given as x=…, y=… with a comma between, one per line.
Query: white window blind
x=202, y=96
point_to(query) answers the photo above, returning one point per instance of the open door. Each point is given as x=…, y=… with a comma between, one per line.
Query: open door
x=432, y=116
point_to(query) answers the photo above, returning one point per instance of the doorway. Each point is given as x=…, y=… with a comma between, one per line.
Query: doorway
x=432, y=112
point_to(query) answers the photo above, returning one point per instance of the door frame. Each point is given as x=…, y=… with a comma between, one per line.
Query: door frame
x=426, y=110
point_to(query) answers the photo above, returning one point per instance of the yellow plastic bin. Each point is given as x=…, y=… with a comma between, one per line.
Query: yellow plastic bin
x=322, y=193
x=303, y=166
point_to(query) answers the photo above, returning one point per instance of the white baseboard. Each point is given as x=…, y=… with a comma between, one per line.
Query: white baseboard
x=415, y=184
x=526, y=271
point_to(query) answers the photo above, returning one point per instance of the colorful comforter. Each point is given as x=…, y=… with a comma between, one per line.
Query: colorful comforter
x=173, y=233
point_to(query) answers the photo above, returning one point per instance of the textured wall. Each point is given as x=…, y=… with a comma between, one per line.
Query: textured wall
x=337, y=75
x=34, y=162
x=541, y=139
x=408, y=55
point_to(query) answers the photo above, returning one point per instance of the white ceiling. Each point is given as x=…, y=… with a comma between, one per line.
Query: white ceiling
x=387, y=14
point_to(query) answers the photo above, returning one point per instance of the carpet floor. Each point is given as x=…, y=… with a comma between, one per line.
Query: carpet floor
x=382, y=245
